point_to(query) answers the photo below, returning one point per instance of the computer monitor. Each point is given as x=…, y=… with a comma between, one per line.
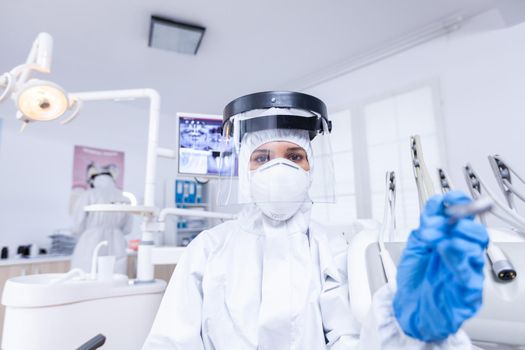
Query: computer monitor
x=200, y=146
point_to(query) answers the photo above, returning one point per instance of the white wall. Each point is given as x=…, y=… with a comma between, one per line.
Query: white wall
x=480, y=70
x=36, y=165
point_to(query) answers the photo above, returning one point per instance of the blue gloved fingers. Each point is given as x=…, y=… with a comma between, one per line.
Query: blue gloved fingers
x=450, y=293
x=417, y=253
x=430, y=236
x=420, y=244
x=434, y=206
x=471, y=231
x=464, y=261
x=432, y=224
x=464, y=253
x=409, y=275
x=421, y=310
x=440, y=274
x=463, y=289
x=456, y=197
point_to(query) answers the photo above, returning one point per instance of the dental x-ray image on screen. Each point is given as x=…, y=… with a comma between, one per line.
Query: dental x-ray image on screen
x=200, y=145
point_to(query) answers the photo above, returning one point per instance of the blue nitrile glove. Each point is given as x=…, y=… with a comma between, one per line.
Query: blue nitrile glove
x=440, y=274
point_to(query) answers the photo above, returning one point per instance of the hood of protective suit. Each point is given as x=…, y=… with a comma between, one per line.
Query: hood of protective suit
x=103, y=181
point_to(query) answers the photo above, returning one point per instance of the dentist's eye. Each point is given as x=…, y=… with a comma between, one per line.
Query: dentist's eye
x=296, y=157
x=259, y=157
x=262, y=159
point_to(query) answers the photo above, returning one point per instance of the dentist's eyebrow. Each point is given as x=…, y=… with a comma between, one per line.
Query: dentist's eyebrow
x=263, y=150
x=296, y=149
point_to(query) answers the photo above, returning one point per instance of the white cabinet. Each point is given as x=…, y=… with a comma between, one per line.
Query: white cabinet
x=15, y=270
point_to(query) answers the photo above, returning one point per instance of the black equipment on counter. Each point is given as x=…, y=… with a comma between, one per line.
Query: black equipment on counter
x=5, y=253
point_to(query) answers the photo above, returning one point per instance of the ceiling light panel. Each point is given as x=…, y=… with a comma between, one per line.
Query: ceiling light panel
x=175, y=36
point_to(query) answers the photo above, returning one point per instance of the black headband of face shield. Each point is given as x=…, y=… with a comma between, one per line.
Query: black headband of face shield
x=277, y=99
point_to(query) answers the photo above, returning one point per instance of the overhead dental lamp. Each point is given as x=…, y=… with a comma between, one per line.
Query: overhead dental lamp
x=37, y=100
x=40, y=100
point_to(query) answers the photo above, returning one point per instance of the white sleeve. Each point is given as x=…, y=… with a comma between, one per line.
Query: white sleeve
x=177, y=325
x=127, y=225
x=341, y=329
x=381, y=330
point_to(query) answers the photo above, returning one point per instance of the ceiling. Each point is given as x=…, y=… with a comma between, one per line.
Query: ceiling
x=248, y=45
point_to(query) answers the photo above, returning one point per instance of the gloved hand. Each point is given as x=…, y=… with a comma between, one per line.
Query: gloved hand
x=440, y=274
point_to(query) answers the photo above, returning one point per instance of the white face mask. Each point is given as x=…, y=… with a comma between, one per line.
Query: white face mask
x=279, y=188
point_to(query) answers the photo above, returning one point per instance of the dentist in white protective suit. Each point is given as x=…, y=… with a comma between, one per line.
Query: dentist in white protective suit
x=95, y=227
x=273, y=279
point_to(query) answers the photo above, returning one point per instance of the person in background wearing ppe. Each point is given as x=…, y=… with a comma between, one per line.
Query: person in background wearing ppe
x=274, y=279
x=95, y=227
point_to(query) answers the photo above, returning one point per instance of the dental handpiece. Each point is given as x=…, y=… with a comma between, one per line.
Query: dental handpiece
x=501, y=266
x=475, y=207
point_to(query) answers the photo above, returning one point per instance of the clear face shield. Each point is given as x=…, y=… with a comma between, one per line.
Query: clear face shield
x=283, y=151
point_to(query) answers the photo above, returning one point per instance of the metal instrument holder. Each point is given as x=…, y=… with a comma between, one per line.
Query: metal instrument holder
x=387, y=228
x=425, y=188
x=444, y=181
x=504, y=173
x=476, y=185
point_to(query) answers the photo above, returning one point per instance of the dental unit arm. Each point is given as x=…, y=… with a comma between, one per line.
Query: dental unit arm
x=170, y=255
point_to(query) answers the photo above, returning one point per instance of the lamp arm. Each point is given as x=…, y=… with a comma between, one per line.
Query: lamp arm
x=7, y=82
x=39, y=58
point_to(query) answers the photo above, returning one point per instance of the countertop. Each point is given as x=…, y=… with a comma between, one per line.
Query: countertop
x=37, y=260
x=43, y=259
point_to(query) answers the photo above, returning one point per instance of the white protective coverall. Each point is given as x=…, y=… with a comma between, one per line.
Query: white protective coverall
x=95, y=227
x=255, y=283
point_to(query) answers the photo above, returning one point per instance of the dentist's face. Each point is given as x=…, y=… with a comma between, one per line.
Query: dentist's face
x=279, y=149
